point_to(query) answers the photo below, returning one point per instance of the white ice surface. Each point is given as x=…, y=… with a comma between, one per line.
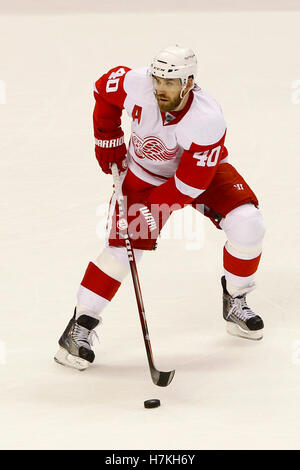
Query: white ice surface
x=228, y=393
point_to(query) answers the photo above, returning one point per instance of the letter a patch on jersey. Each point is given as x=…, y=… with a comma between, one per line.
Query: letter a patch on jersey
x=137, y=113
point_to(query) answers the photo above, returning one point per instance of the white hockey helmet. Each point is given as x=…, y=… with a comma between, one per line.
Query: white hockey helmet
x=175, y=62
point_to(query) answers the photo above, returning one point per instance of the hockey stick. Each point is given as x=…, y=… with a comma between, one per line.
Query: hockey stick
x=162, y=379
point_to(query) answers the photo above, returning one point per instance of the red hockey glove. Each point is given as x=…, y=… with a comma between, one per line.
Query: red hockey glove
x=110, y=148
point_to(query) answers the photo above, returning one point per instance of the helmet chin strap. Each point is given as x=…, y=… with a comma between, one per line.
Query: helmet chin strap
x=183, y=87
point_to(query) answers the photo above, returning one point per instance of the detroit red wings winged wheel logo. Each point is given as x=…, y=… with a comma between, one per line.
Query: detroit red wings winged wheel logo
x=153, y=148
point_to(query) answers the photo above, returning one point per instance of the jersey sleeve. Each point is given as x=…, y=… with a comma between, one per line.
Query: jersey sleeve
x=110, y=95
x=196, y=170
x=198, y=166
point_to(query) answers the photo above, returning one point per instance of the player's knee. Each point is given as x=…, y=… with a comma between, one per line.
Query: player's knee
x=120, y=254
x=244, y=226
x=114, y=261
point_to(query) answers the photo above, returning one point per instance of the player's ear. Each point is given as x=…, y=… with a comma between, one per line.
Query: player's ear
x=190, y=82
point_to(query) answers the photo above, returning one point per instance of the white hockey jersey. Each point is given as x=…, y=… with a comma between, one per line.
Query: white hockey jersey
x=187, y=145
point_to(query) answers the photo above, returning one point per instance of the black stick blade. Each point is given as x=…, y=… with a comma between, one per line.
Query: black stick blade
x=162, y=379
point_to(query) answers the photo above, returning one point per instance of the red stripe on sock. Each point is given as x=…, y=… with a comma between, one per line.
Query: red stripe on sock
x=240, y=267
x=99, y=282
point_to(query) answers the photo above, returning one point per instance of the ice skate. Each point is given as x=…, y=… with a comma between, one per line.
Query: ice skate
x=76, y=341
x=240, y=319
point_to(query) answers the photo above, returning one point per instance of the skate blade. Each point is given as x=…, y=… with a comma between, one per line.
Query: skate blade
x=64, y=358
x=235, y=330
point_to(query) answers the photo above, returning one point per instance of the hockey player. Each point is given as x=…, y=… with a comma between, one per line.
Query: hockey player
x=176, y=156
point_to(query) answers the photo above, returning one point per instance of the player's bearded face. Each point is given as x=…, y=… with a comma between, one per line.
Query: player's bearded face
x=167, y=93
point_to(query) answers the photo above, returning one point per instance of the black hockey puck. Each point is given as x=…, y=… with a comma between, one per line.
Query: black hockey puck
x=151, y=403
